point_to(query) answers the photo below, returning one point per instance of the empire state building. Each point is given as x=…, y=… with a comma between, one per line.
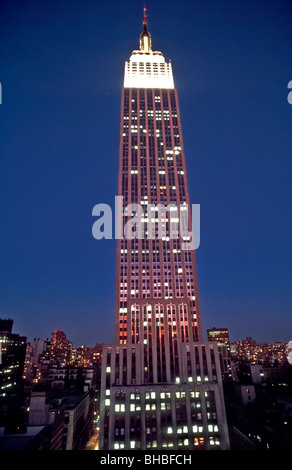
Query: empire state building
x=161, y=385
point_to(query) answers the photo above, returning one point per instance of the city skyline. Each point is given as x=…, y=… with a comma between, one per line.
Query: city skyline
x=60, y=108
x=233, y=341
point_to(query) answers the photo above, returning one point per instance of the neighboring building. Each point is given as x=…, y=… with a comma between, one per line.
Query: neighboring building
x=161, y=384
x=78, y=420
x=81, y=356
x=66, y=377
x=61, y=348
x=228, y=365
x=257, y=379
x=220, y=335
x=33, y=438
x=6, y=325
x=96, y=354
x=277, y=375
x=13, y=350
x=45, y=410
x=241, y=441
x=69, y=417
x=35, y=354
x=85, y=356
x=245, y=393
x=257, y=374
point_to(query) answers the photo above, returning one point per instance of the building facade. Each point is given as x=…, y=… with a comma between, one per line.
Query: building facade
x=61, y=348
x=78, y=421
x=220, y=335
x=161, y=384
x=12, y=359
x=227, y=362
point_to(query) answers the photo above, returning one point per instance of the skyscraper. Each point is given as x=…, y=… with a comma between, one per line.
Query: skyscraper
x=12, y=358
x=161, y=384
x=61, y=348
x=228, y=365
x=220, y=335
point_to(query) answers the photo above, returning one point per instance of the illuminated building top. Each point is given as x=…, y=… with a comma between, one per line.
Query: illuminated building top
x=147, y=68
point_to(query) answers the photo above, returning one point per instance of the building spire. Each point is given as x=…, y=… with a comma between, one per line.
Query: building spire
x=145, y=36
x=144, y=19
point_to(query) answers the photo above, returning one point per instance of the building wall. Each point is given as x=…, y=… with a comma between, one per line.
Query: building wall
x=152, y=171
x=189, y=414
x=78, y=421
x=13, y=351
x=246, y=393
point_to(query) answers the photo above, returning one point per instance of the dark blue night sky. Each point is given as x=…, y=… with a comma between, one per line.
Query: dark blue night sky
x=61, y=69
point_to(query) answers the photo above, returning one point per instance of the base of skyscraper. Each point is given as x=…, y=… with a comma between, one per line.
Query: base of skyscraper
x=186, y=413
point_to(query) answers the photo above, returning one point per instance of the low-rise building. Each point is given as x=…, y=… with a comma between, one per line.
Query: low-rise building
x=79, y=414
x=46, y=410
x=32, y=438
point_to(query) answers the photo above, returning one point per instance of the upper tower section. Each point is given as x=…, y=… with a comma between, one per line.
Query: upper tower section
x=147, y=68
x=145, y=36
